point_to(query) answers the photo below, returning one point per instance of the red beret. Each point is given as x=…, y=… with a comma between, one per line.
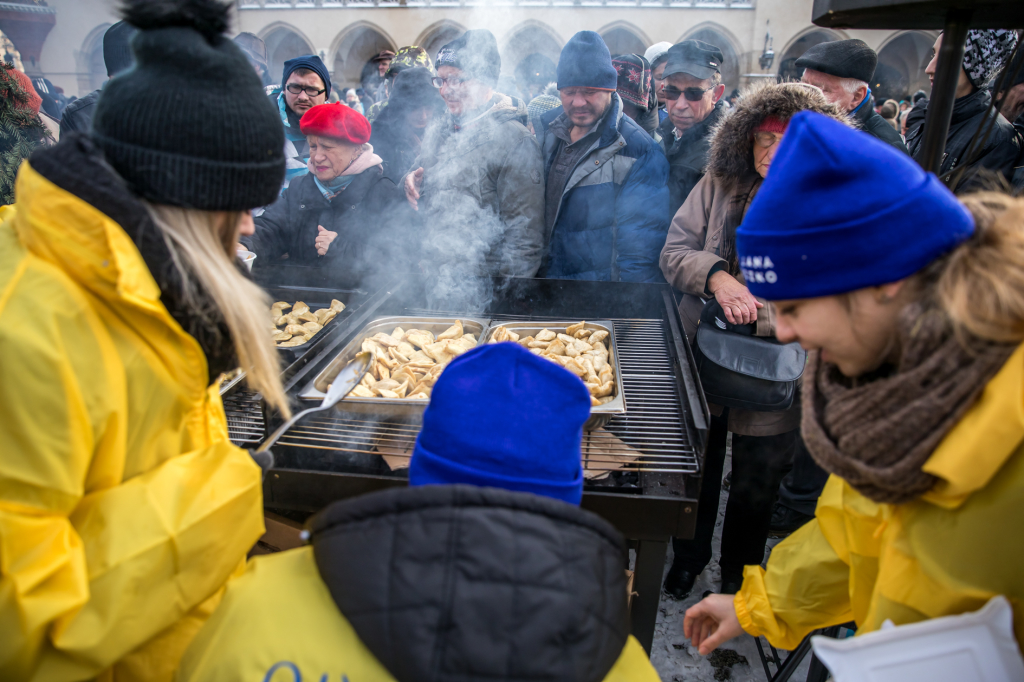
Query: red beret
x=34, y=100
x=337, y=121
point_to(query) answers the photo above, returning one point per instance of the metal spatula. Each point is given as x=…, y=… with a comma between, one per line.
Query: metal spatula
x=348, y=378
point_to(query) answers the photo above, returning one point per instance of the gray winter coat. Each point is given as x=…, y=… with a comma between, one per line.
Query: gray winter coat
x=482, y=197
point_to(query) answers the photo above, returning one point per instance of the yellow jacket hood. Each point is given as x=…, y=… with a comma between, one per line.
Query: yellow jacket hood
x=945, y=553
x=123, y=506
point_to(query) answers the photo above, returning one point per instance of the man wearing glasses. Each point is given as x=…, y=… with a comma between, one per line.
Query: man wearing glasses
x=307, y=83
x=693, y=90
x=478, y=182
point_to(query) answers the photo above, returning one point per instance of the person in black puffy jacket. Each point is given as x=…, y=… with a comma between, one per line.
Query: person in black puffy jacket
x=399, y=129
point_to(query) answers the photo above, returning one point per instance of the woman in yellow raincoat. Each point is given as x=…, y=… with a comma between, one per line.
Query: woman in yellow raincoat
x=123, y=506
x=913, y=392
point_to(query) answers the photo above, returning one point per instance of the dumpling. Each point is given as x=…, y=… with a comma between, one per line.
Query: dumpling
x=453, y=332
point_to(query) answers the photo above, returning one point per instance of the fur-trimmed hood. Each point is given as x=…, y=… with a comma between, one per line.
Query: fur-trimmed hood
x=731, y=154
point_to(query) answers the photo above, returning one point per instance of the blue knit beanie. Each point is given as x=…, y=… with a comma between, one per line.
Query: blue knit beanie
x=586, y=63
x=311, y=62
x=841, y=211
x=501, y=417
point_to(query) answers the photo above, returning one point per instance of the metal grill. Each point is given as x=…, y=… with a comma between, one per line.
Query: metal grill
x=245, y=417
x=650, y=437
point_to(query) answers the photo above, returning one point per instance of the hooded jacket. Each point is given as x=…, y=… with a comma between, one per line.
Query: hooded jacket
x=702, y=237
x=870, y=122
x=434, y=583
x=124, y=508
x=368, y=216
x=688, y=155
x=482, y=197
x=999, y=154
x=613, y=213
x=947, y=552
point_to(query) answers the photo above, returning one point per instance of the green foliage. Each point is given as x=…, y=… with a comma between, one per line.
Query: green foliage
x=21, y=131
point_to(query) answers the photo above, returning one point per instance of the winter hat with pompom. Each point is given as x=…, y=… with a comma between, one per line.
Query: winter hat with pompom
x=190, y=124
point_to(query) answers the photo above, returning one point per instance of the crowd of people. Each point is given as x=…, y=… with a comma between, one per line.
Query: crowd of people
x=126, y=513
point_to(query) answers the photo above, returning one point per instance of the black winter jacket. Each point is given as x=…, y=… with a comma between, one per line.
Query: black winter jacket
x=687, y=156
x=394, y=143
x=969, y=114
x=465, y=583
x=368, y=216
x=870, y=122
x=78, y=115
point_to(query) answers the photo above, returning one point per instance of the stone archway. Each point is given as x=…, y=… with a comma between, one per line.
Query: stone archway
x=354, y=53
x=439, y=35
x=92, y=70
x=284, y=43
x=717, y=36
x=901, y=63
x=623, y=38
x=525, y=40
x=803, y=42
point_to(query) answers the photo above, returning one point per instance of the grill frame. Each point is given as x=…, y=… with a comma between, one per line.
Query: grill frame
x=666, y=507
x=667, y=503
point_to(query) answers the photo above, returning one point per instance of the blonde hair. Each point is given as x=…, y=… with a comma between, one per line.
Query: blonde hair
x=980, y=284
x=202, y=245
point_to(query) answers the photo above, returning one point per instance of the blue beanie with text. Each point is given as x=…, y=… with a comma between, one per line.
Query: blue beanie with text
x=831, y=217
x=586, y=63
x=501, y=417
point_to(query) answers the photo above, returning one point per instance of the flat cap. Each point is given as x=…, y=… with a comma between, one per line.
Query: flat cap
x=695, y=57
x=842, y=59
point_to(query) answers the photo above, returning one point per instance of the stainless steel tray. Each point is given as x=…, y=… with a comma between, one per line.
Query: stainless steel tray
x=600, y=415
x=317, y=388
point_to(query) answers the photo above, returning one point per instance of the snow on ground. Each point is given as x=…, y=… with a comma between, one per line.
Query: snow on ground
x=677, y=661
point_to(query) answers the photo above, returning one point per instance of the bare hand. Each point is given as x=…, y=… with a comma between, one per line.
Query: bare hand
x=712, y=622
x=737, y=302
x=324, y=239
x=413, y=182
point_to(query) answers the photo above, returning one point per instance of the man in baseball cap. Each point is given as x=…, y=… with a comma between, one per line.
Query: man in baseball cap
x=843, y=70
x=692, y=88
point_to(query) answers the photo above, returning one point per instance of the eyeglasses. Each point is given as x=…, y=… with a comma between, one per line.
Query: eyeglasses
x=691, y=94
x=453, y=81
x=296, y=89
x=767, y=140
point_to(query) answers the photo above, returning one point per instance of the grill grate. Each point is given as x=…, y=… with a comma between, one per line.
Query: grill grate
x=650, y=437
x=245, y=417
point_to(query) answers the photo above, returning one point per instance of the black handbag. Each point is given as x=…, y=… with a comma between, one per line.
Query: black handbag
x=741, y=370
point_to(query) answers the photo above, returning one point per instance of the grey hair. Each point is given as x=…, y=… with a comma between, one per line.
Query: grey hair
x=851, y=85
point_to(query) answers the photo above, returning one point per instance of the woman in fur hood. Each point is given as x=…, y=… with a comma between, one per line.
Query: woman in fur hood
x=699, y=259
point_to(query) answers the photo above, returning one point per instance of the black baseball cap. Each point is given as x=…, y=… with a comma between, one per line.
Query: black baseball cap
x=695, y=57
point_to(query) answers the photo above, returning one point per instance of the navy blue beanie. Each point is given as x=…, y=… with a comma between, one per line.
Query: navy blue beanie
x=832, y=215
x=501, y=417
x=586, y=63
x=311, y=62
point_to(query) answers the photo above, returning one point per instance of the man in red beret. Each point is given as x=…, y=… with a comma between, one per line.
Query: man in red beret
x=338, y=214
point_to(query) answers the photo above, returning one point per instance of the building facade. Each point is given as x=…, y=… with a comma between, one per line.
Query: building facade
x=347, y=33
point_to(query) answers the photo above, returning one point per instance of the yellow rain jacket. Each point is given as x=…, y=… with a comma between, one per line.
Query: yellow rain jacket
x=945, y=553
x=277, y=623
x=443, y=582
x=123, y=506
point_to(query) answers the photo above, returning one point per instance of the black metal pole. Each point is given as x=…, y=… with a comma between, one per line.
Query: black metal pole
x=947, y=74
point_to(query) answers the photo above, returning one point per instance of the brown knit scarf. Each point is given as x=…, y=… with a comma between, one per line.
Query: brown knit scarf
x=876, y=434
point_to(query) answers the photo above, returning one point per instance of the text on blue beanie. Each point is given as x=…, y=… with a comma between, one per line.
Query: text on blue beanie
x=841, y=211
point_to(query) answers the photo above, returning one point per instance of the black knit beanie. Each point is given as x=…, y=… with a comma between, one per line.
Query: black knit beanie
x=475, y=53
x=190, y=125
x=117, y=48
